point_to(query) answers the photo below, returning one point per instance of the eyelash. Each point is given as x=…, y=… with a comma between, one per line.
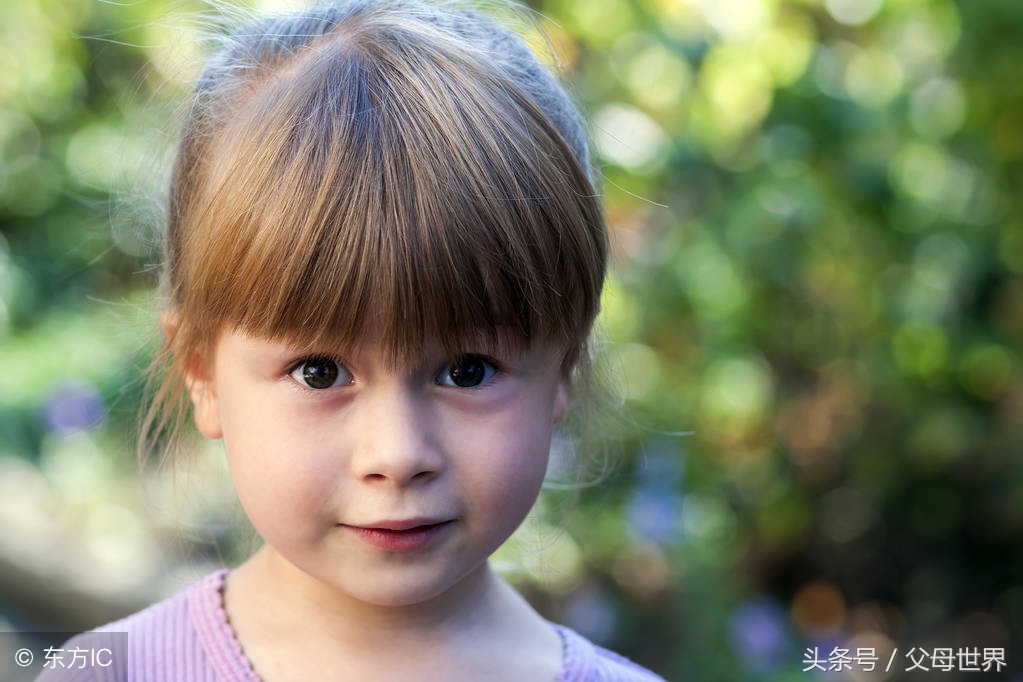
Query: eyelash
x=295, y=366
x=486, y=359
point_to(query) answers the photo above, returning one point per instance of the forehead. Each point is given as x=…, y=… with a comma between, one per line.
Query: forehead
x=505, y=345
x=373, y=339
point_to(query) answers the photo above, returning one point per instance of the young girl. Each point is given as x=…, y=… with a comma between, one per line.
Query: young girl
x=384, y=259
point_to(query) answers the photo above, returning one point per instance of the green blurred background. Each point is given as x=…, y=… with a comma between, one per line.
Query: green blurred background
x=812, y=330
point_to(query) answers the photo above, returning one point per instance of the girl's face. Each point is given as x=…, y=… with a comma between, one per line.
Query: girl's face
x=319, y=448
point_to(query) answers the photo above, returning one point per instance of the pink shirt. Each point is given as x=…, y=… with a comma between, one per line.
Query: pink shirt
x=187, y=638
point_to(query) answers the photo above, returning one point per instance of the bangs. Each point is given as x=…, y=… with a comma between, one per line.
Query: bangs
x=372, y=186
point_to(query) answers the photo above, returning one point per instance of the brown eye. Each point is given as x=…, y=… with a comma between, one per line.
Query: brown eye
x=320, y=373
x=467, y=371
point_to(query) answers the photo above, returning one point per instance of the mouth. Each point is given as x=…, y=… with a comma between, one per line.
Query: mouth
x=406, y=525
x=407, y=539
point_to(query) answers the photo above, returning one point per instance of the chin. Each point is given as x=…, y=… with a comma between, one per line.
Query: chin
x=401, y=594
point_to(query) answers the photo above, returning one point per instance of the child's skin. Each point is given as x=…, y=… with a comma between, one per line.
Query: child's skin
x=382, y=444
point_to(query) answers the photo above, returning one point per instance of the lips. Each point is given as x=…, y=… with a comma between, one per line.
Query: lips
x=412, y=536
x=407, y=524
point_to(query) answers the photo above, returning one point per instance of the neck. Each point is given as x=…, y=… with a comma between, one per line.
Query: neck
x=293, y=603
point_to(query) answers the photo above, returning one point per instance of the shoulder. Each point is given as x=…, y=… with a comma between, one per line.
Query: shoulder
x=587, y=662
x=175, y=639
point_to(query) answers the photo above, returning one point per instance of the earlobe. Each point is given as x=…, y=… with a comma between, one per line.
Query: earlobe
x=204, y=408
x=203, y=394
x=560, y=400
x=199, y=380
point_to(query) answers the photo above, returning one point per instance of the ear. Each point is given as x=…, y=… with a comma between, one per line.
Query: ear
x=201, y=386
x=202, y=391
x=560, y=399
x=169, y=323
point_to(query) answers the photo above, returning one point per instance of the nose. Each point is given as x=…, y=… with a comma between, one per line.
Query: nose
x=395, y=438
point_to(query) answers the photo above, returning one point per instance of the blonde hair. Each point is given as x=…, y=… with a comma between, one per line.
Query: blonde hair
x=379, y=163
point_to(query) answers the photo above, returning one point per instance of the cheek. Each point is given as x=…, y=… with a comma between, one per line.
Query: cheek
x=277, y=470
x=502, y=460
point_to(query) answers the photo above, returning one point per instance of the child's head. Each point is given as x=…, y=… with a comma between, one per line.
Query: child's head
x=384, y=169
